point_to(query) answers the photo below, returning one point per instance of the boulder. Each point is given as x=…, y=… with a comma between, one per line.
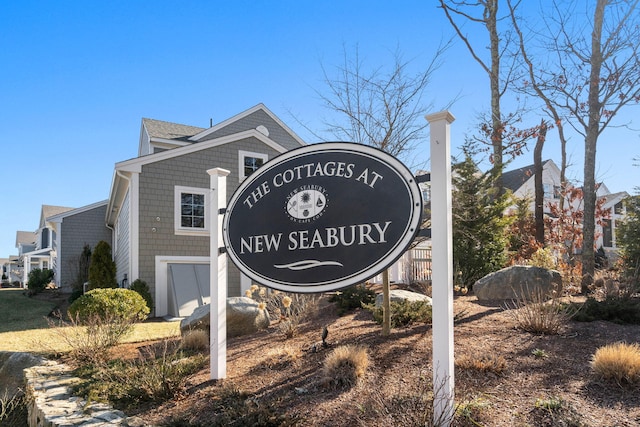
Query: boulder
x=12, y=366
x=399, y=295
x=518, y=282
x=244, y=316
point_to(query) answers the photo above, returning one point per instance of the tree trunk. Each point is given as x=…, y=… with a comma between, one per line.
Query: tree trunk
x=491, y=10
x=386, y=304
x=590, y=141
x=539, y=190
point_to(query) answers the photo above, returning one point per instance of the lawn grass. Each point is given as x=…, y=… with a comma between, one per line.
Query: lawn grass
x=49, y=340
x=24, y=327
x=18, y=312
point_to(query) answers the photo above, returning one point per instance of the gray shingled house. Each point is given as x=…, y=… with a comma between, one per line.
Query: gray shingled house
x=158, y=207
x=70, y=231
x=522, y=183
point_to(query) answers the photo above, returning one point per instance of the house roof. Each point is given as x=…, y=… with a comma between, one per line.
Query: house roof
x=59, y=216
x=49, y=210
x=25, y=238
x=614, y=197
x=168, y=130
x=186, y=140
x=514, y=179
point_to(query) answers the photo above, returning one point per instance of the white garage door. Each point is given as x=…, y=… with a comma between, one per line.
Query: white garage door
x=188, y=288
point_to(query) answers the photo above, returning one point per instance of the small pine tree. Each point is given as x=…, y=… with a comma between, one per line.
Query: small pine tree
x=628, y=238
x=480, y=239
x=80, y=267
x=102, y=269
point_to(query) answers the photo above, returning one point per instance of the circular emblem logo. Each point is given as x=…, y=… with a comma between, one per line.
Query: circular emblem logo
x=306, y=203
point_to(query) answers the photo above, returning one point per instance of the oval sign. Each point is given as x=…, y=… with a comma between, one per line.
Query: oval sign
x=322, y=217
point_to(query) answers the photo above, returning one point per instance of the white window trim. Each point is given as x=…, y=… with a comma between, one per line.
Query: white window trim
x=177, y=220
x=241, y=156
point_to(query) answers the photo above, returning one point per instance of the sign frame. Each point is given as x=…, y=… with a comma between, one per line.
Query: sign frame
x=400, y=184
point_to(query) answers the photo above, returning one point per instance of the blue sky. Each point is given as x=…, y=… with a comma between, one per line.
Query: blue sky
x=76, y=78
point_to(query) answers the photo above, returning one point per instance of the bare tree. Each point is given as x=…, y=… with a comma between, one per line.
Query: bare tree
x=485, y=14
x=384, y=110
x=593, y=73
x=545, y=91
x=378, y=107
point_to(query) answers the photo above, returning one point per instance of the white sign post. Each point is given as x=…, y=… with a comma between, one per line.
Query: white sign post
x=442, y=264
x=217, y=275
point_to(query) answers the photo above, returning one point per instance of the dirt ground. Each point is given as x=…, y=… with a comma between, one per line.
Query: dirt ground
x=285, y=374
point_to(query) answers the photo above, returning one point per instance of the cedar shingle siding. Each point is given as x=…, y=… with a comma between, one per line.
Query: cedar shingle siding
x=84, y=228
x=157, y=183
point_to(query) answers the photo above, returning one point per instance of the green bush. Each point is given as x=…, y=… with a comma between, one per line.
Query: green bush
x=102, y=269
x=141, y=287
x=109, y=304
x=628, y=239
x=622, y=309
x=404, y=313
x=108, y=315
x=38, y=279
x=352, y=297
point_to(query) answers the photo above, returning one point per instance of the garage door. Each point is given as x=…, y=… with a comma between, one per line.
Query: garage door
x=188, y=288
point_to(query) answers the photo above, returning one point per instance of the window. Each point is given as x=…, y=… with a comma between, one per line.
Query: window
x=607, y=234
x=618, y=208
x=551, y=191
x=249, y=162
x=191, y=216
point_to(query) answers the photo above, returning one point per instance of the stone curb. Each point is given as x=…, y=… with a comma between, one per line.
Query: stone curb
x=51, y=403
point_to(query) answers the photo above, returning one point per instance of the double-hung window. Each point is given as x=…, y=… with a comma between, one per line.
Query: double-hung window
x=191, y=213
x=249, y=162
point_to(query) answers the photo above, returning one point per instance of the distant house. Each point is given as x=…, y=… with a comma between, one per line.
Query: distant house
x=521, y=183
x=71, y=231
x=13, y=269
x=36, y=250
x=158, y=202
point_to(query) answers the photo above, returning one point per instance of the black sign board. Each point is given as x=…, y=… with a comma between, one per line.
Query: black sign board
x=322, y=217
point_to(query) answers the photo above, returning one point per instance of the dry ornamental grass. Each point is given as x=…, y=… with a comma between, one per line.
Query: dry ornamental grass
x=619, y=362
x=345, y=365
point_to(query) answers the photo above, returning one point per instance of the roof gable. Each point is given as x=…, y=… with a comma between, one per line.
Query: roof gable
x=514, y=179
x=48, y=210
x=258, y=117
x=60, y=216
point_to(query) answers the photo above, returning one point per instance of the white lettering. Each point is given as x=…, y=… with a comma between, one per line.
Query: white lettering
x=330, y=237
x=364, y=177
x=382, y=231
x=260, y=191
x=257, y=244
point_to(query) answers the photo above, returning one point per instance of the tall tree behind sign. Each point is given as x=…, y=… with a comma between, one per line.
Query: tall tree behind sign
x=586, y=59
x=381, y=109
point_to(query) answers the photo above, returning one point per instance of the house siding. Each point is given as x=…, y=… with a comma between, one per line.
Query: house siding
x=121, y=249
x=252, y=121
x=84, y=228
x=156, y=212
